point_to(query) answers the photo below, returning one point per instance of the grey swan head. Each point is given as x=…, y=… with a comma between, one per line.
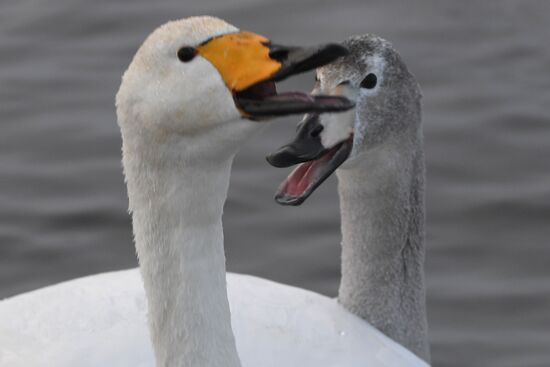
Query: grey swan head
x=377, y=153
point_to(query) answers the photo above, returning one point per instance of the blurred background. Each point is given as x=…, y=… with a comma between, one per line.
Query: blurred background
x=484, y=69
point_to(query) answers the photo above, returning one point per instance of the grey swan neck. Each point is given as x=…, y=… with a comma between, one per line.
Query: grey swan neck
x=176, y=201
x=382, y=211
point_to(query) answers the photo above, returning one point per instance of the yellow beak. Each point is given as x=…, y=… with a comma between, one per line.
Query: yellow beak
x=242, y=59
x=249, y=64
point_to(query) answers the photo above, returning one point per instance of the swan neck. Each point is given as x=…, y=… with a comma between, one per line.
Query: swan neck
x=176, y=205
x=382, y=211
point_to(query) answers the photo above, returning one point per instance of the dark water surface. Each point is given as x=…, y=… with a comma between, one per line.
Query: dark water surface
x=484, y=68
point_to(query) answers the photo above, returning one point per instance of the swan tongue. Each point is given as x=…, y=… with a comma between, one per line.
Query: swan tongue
x=305, y=178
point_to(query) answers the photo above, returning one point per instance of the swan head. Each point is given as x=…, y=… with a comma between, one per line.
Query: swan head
x=387, y=99
x=201, y=74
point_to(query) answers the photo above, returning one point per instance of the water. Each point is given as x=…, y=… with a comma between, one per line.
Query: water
x=484, y=71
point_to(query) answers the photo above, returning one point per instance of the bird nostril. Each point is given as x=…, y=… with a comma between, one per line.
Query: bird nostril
x=316, y=131
x=278, y=53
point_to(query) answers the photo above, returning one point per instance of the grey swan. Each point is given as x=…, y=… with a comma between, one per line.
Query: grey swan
x=377, y=153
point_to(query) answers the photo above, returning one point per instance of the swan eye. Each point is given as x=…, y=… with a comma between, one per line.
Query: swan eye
x=186, y=54
x=369, y=82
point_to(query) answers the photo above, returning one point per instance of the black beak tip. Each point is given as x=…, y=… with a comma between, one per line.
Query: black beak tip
x=282, y=158
x=290, y=200
x=297, y=60
x=272, y=160
x=336, y=50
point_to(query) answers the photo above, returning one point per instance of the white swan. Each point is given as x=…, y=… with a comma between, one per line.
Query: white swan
x=381, y=185
x=184, y=107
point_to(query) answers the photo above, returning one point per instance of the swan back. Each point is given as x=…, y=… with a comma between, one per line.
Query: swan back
x=101, y=321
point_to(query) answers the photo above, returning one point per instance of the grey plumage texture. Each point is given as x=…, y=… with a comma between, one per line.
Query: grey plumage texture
x=381, y=189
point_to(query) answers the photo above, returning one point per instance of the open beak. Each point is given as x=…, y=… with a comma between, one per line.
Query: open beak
x=250, y=65
x=317, y=163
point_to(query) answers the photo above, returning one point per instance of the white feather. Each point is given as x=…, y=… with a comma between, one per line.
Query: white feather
x=100, y=321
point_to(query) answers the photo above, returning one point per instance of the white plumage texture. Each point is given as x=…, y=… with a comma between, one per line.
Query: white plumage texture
x=100, y=321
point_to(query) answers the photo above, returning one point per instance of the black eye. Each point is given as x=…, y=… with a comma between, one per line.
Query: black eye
x=369, y=82
x=186, y=54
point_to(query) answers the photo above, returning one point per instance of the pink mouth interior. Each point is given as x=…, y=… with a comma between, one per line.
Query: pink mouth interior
x=303, y=176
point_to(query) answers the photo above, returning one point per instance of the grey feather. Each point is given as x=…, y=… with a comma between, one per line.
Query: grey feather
x=381, y=190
